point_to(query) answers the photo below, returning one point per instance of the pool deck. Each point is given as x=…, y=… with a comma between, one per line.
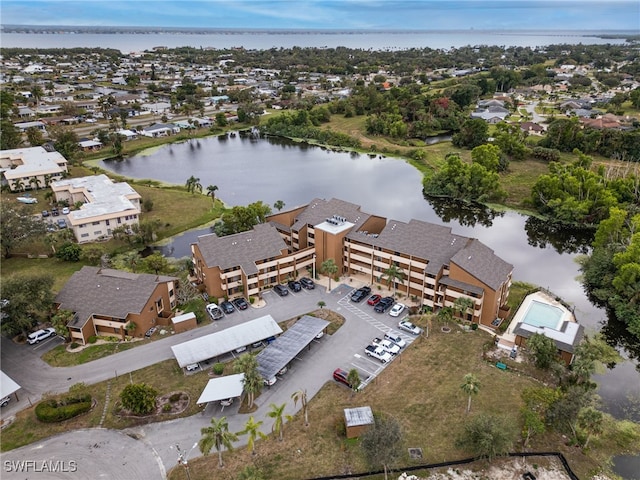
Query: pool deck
x=565, y=333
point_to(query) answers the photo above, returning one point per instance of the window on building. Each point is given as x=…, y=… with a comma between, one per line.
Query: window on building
x=84, y=235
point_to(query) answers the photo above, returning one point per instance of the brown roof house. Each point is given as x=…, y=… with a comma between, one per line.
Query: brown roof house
x=116, y=303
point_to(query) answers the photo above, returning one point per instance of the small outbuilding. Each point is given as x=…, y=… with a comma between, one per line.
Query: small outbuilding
x=182, y=323
x=357, y=420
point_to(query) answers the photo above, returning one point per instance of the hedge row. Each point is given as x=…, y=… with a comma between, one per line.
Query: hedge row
x=51, y=411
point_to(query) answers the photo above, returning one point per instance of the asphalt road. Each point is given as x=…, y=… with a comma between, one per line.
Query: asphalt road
x=310, y=371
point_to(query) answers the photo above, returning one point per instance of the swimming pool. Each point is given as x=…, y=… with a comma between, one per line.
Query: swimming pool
x=543, y=315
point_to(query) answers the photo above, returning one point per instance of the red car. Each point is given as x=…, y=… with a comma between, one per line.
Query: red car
x=374, y=299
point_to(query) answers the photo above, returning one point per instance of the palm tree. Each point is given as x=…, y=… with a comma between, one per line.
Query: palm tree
x=217, y=435
x=252, y=381
x=321, y=304
x=193, y=184
x=252, y=429
x=471, y=386
x=34, y=181
x=590, y=420
x=393, y=274
x=277, y=413
x=278, y=205
x=211, y=191
x=197, y=185
x=462, y=305
x=18, y=184
x=302, y=396
x=329, y=268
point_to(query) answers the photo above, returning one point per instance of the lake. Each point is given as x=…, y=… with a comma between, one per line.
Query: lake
x=247, y=169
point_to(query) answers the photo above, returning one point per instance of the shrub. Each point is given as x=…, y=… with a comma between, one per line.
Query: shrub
x=166, y=407
x=474, y=326
x=51, y=411
x=74, y=345
x=218, y=368
x=92, y=339
x=139, y=398
x=175, y=397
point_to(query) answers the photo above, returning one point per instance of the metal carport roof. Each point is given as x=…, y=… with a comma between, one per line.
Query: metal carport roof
x=7, y=385
x=227, y=340
x=222, y=388
x=279, y=353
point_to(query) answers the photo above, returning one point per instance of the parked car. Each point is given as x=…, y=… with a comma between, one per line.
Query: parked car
x=307, y=283
x=227, y=307
x=240, y=303
x=281, y=290
x=407, y=326
x=61, y=223
x=270, y=381
x=294, y=286
x=54, y=212
x=214, y=311
x=45, y=213
x=387, y=346
x=65, y=210
x=192, y=367
x=383, y=305
x=341, y=376
x=38, y=336
x=395, y=338
x=378, y=353
x=397, y=309
x=150, y=332
x=5, y=401
x=360, y=294
x=374, y=299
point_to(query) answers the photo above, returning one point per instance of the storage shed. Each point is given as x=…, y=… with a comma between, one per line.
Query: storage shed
x=357, y=420
x=182, y=323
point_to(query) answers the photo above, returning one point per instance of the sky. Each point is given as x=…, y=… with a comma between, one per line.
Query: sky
x=331, y=14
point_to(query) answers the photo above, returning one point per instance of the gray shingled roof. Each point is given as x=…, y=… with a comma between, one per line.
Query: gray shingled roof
x=243, y=249
x=319, y=210
x=479, y=260
x=114, y=293
x=429, y=241
x=525, y=331
x=446, y=280
x=288, y=345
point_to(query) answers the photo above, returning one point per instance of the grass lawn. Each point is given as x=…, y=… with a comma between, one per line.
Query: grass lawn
x=60, y=357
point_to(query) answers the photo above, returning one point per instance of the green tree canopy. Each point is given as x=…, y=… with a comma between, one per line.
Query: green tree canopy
x=18, y=225
x=139, y=398
x=543, y=349
x=217, y=435
x=382, y=442
x=487, y=436
x=27, y=299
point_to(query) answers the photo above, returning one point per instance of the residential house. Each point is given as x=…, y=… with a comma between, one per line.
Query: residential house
x=438, y=266
x=105, y=206
x=532, y=128
x=34, y=167
x=111, y=302
x=160, y=130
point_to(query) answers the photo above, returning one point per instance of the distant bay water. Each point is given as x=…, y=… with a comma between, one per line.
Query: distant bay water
x=262, y=40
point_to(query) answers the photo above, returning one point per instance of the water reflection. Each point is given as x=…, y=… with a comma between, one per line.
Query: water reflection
x=543, y=234
x=466, y=214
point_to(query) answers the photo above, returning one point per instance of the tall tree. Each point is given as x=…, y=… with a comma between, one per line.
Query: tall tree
x=470, y=386
x=329, y=268
x=278, y=205
x=65, y=141
x=591, y=421
x=17, y=227
x=217, y=435
x=382, y=442
x=252, y=429
x=27, y=299
x=393, y=274
x=543, y=349
x=277, y=413
x=211, y=191
x=252, y=382
x=302, y=396
x=487, y=436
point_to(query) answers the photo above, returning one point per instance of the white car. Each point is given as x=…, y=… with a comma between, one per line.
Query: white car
x=387, y=346
x=397, y=309
x=395, y=338
x=214, y=311
x=5, y=401
x=270, y=381
x=37, y=337
x=407, y=326
x=65, y=210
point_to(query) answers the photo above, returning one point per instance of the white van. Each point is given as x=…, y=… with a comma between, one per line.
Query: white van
x=36, y=337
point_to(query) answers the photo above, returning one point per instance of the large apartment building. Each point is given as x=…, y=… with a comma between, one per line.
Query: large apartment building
x=30, y=168
x=438, y=266
x=105, y=206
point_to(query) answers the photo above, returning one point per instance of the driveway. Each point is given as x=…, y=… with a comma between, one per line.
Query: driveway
x=310, y=371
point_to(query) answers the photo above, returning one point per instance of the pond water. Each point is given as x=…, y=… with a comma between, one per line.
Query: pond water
x=247, y=169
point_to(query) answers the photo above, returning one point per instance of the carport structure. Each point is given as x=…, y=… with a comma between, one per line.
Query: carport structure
x=220, y=343
x=7, y=386
x=287, y=346
x=223, y=388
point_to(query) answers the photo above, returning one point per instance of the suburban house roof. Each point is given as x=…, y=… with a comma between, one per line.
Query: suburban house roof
x=103, y=197
x=320, y=209
x=105, y=291
x=243, y=249
x=28, y=162
x=479, y=260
